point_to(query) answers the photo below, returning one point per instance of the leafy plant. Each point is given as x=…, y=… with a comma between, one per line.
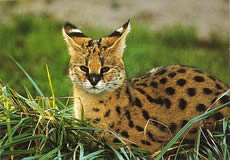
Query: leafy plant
x=44, y=128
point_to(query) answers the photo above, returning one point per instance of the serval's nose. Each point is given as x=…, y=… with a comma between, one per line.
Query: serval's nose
x=94, y=79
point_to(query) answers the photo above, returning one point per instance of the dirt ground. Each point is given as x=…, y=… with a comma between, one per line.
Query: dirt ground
x=205, y=15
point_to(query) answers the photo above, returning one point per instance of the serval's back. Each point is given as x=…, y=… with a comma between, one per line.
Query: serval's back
x=147, y=110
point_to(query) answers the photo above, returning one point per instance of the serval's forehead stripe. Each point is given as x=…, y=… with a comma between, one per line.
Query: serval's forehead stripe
x=94, y=55
x=94, y=45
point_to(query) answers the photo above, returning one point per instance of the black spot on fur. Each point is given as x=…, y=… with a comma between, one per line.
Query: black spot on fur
x=139, y=128
x=117, y=130
x=218, y=86
x=127, y=91
x=153, y=84
x=127, y=114
x=213, y=100
x=146, y=142
x=170, y=91
x=172, y=127
x=163, y=80
x=101, y=101
x=172, y=74
x=136, y=80
x=115, y=140
x=191, y=91
x=181, y=70
x=199, y=79
x=107, y=113
x=150, y=135
x=155, y=121
x=153, y=100
x=182, y=104
x=95, y=109
x=125, y=134
x=207, y=91
x=145, y=114
x=218, y=116
x=183, y=123
x=158, y=101
x=200, y=107
x=138, y=102
x=96, y=120
x=111, y=125
x=131, y=125
x=212, y=78
x=198, y=71
x=160, y=72
x=162, y=127
x=167, y=103
x=99, y=43
x=118, y=109
x=142, y=84
x=181, y=82
x=134, y=145
x=102, y=60
x=118, y=93
x=90, y=43
x=140, y=90
x=146, y=76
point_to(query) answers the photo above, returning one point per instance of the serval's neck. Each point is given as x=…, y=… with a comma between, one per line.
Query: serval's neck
x=88, y=101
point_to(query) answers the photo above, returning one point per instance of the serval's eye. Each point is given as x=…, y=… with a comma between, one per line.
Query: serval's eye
x=104, y=69
x=84, y=69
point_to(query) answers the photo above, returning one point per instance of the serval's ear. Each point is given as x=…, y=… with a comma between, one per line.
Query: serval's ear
x=74, y=38
x=115, y=42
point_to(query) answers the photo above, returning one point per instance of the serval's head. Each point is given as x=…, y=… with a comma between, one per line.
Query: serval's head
x=96, y=65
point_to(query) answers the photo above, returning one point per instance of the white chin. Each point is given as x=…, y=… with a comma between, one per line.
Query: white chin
x=94, y=90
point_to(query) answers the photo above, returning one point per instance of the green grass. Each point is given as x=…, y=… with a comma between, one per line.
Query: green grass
x=34, y=42
x=33, y=126
x=37, y=41
x=176, y=45
x=44, y=128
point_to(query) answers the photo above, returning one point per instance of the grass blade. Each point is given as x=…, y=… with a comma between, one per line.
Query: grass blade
x=81, y=151
x=91, y=155
x=28, y=76
x=197, y=147
x=52, y=152
x=6, y=111
x=32, y=157
x=51, y=86
x=194, y=120
x=124, y=152
x=19, y=152
x=22, y=140
x=225, y=145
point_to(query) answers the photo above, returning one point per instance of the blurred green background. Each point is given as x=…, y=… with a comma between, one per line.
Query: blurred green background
x=35, y=41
